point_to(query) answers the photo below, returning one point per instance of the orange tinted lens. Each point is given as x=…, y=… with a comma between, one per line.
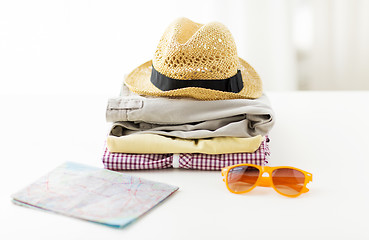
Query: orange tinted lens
x=242, y=178
x=288, y=181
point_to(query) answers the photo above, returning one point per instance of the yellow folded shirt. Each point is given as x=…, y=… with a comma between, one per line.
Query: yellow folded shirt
x=154, y=143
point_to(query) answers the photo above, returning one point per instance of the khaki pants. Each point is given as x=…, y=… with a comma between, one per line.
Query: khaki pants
x=189, y=118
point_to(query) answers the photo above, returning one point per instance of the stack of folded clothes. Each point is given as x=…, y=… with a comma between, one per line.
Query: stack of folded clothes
x=196, y=105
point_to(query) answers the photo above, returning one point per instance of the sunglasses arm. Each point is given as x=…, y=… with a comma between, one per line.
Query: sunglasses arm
x=309, y=179
x=224, y=171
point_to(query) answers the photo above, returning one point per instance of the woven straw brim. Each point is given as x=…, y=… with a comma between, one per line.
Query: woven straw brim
x=138, y=81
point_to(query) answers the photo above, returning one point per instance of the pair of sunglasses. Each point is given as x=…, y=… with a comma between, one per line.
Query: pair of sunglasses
x=287, y=181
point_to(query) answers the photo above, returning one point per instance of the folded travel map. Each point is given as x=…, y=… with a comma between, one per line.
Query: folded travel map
x=94, y=194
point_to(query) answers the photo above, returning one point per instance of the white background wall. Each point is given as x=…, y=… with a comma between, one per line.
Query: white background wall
x=87, y=46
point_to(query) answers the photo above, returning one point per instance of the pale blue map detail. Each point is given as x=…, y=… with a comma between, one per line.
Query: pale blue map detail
x=94, y=194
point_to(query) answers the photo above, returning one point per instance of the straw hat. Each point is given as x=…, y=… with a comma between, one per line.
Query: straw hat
x=198, y=61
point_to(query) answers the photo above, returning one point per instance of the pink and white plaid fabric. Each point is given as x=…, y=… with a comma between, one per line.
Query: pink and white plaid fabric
x=199, y=161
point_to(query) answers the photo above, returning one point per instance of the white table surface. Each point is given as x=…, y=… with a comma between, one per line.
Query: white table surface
x=325, y=133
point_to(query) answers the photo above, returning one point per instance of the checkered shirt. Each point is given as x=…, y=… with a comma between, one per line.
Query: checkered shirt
x=199, y=161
